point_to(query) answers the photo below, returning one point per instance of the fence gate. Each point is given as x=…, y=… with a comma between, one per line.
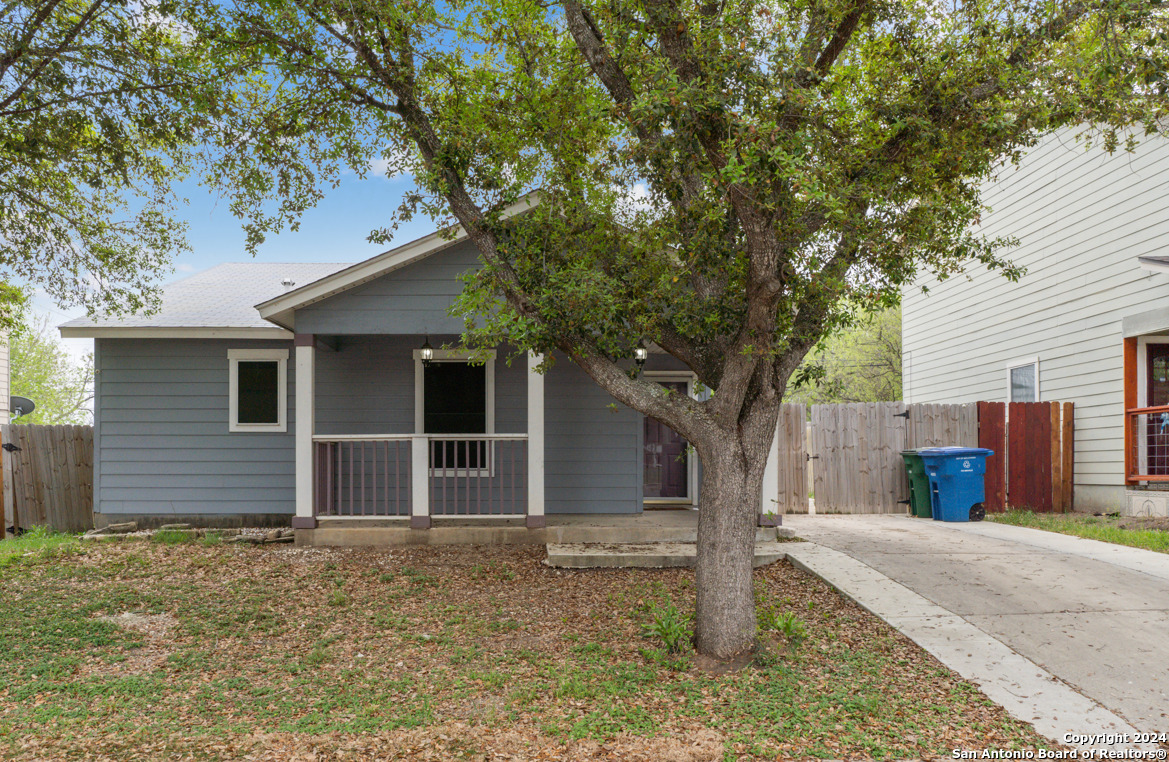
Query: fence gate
x=50, y=476
x=1033, y=465
x=856, y=457
x=793, y=460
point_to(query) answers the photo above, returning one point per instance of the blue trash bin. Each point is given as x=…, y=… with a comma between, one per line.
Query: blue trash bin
x=956, y=474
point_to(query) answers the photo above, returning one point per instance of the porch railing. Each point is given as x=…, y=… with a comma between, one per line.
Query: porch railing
x=480, y=476
x=1146, y=434
x=362, y=475
x=419, y=476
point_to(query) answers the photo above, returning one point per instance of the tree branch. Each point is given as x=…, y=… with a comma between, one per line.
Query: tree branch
x=82, y=22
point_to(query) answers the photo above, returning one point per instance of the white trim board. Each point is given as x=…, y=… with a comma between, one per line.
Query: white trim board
x=234, y=358
x=280, y=310
x=1143, y=343
x=173, y=332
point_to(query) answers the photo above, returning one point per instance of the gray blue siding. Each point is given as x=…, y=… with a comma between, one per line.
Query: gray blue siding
x=367, y=386
x=592, y=456
x=412, y=300
x=162, y=446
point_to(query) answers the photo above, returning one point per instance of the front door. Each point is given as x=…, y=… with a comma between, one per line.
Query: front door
x=1157, y=386
x=666, y=457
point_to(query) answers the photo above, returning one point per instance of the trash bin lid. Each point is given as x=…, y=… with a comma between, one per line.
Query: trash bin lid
x=955, y=452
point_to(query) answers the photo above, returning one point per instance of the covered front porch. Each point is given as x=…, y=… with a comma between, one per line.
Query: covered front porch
x=382, y=446
x=389, y=432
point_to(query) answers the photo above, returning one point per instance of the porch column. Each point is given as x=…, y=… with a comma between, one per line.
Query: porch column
x=420, y=482
x=535, y=444
x=770, y=502
x=305, y=419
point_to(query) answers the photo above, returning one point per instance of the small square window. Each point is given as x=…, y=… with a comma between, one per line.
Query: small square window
x=258, y=389
x=455, y=398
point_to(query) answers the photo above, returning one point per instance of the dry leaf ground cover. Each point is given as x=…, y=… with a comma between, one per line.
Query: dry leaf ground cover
x=144, y=650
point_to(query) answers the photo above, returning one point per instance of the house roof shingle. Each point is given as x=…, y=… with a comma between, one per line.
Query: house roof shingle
x=222, y=297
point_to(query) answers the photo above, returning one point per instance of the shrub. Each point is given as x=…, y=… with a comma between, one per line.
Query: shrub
x=786, y=624
x=670, y=626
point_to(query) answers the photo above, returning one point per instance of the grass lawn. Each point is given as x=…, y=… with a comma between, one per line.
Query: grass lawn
x=152, y=650
x=1150, y=534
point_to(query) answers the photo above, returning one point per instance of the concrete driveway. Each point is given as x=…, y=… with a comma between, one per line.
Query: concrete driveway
x=1094, y=615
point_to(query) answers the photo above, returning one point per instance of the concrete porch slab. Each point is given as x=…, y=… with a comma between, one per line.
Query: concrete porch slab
x=649, y=555
x=648, y=527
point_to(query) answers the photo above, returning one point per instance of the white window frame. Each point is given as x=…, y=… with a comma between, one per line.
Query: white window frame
x=1143, y=343
x=1022, y=363
x=463, y=356
x=234, y=358
x=692, y=457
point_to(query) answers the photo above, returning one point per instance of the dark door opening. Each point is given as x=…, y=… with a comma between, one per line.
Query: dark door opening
x=666, y=459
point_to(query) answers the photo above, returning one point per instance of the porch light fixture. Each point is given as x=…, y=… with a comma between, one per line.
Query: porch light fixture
x=427, y=353
x=640, y=355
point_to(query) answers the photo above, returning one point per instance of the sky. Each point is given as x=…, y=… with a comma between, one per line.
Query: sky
x=334, y=231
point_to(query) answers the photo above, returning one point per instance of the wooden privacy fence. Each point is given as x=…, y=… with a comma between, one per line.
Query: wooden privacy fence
x=855, y=453
x=48, y=481
x=1033, y=465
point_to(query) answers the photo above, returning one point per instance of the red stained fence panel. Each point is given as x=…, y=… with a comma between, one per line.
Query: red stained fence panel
x=992, y=430
x=1032, y=467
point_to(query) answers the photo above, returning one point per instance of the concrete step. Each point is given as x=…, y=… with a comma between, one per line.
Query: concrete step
x=646, y=555
x=558, y=535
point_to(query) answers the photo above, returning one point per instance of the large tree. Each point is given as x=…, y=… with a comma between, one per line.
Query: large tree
x=717, y=177
x=100, y=101
x=42, y=370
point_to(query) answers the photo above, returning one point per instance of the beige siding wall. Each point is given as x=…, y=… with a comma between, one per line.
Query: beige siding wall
x=5, y=385
x=1081, y=219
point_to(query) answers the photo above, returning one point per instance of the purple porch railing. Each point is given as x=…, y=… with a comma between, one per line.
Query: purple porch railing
x=362, y=477
x=481, y=476
x=467, y=475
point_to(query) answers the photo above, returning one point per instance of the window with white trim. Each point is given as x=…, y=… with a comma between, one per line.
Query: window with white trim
x=1023, y=381
x=257, y=390
x=455, y=396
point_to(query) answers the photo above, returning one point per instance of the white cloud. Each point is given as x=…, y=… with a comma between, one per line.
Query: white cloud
x=381, y=168
x=185, y=268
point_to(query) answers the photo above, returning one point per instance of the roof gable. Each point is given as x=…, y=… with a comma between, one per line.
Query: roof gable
x=280, y=309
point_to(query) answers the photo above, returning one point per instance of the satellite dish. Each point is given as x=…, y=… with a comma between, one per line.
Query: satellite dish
x=21, y=406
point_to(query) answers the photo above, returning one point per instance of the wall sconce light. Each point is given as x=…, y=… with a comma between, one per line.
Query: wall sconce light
x=640, y=355
x=427, y=353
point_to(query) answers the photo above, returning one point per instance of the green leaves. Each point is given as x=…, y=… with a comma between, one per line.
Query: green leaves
x=723, y=182
x=96, y=117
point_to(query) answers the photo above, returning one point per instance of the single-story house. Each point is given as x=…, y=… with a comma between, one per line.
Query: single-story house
x=263, y=393
x=1088, y=323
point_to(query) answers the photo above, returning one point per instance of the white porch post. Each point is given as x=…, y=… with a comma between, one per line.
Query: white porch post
x=419, y=482
x=770, y=502
x=536, y=518
x=305, y=418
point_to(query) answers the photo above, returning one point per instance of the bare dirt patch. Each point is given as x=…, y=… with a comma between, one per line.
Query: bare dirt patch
x=151, y=656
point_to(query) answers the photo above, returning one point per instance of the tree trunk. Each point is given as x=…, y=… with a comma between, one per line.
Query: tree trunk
x=728, y=506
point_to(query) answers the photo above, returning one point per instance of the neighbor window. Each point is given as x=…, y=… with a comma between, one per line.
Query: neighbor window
x=1023, y=381
x=258, y=389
